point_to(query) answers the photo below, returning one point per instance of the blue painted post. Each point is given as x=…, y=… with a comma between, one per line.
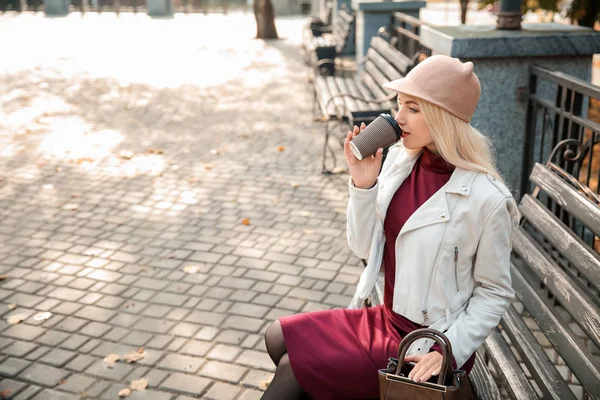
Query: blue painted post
x=160, y=8
x=371, y=15
x=57, y=7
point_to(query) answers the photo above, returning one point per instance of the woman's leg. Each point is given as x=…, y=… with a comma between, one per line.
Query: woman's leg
x=275, y=342
x=284, y=385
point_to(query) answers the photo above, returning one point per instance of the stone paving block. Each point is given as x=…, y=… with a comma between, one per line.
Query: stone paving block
x=80, y=363
x=100, y=370
x=37, y=353
x=43, y=375
x=251, y=394
x=11, y=366
x=76, y=383
x=23, y=332
x=185, y=384
x=256, y=359
x=181, y=363
x=222, y=391
x=154, y=325
x=243, y=323
x=11, y=387
x=27, y=393
x=95, y=313
x=57, y=357
x=248, y=310
x=223, y=371
x=19, y=348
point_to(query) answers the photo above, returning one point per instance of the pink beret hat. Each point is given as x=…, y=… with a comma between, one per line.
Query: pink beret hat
x=444, y=81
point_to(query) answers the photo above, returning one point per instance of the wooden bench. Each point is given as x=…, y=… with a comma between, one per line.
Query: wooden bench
x=330, y=43
x=556, y=276
x=359, y=96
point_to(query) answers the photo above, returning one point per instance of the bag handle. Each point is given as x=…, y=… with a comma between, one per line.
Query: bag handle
x=436, y=336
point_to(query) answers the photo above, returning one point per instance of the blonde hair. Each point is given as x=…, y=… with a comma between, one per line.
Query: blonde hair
x=458, y=142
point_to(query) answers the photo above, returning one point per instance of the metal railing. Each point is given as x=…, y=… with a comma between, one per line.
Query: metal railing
x=563, y=131
x=406, y=32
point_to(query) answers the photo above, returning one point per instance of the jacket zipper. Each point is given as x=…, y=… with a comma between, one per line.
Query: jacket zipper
x=456, y=267
x=426, y=304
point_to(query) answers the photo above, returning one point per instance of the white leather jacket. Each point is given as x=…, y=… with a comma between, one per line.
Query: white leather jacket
x=452, y=255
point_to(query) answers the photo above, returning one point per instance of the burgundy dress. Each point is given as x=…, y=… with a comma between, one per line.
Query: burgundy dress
x=335, y=354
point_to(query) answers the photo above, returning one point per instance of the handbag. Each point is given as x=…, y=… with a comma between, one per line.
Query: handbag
x=450, y=384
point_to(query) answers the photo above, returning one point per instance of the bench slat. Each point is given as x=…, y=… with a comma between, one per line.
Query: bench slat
x=323, y=96
x=573, y=300
x=541, y=368
x=569, y=346
x=482, y=382
x=508, y=367
x=350, y=102
x=570, y=245
x=392, y=55
x=383, y=65
x=567, y=197
x=354, y=90
x=374, y=72
x=376, y=93
x=335, y=93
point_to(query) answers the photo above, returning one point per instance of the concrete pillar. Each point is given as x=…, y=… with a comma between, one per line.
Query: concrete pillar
x=372, y=14
x=502, y=59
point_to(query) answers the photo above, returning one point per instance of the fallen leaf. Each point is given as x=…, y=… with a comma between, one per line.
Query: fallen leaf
x=70, y=207
x=58, y=169
x=338, y=170
x=111, y=359
x=84, y=395
x=42, y=316
x=294, y=184
x=263, y=385
x=62, y=382
x=48, y=186
x=3, y=278
x=5, y=393
x=155, y=151
x=82, y=160
x=280, y=148
x=16, y=319
x=191, y=269
x=133, y=357
x=140, y=350
x=12, y=306
x=126, y=154
x=209, y=166
x=193, y=180
x=308, y=232
x=246, y=221
x=341, y=210
x=76, y=195
x=124, y=392
x=139, y=384
x=214, y=151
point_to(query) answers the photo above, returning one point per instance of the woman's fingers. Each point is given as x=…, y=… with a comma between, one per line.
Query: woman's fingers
x=362, y=126
x=355, y=131
x=350, y=157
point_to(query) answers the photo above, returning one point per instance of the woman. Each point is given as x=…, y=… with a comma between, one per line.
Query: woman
x=438, y=221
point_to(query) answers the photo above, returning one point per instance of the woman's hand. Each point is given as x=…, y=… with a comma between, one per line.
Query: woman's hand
x=364, y=172
x=427, y=366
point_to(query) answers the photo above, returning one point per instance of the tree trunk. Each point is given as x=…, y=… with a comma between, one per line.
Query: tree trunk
x=590, y=13
x=463, y=11
x=265, y=20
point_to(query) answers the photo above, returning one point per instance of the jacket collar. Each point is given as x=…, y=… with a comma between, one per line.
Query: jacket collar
x=437, y=208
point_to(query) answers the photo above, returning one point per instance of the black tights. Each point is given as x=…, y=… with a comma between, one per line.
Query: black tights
x=284, y=385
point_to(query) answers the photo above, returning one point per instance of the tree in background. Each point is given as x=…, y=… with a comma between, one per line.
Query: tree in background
x=582, y=12
x=265, y=20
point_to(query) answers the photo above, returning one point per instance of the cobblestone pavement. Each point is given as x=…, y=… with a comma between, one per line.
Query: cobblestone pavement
x=160, y=186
